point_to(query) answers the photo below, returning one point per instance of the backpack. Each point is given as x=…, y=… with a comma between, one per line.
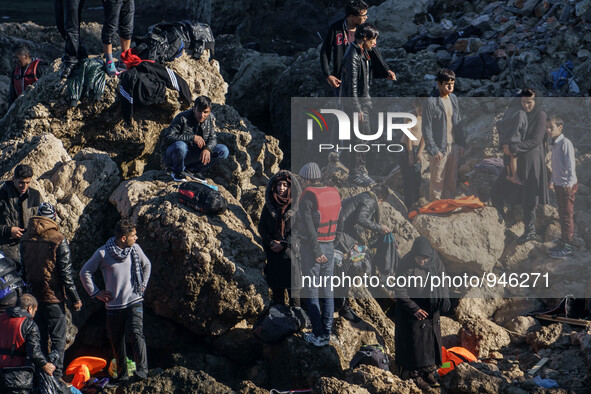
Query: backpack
x=371, y=355
x=482, y=66
x=202, y=198
x=10, y=280
x=278, y=322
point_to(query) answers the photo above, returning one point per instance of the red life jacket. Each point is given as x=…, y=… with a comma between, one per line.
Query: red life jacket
x=328, y=201
x=12, y=343
x=20, y=82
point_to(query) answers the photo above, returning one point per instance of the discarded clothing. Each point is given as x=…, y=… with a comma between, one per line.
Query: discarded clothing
x=146, y=84
x=88, y=78
x=494, y=165
x=449, y=205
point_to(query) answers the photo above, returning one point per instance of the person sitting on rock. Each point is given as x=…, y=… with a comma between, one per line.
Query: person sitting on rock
x=190, y=142
x=126, y=272
x=417, y=335
x=275, y=226
x=27, y=70
x=358, y=213
x=317, y=219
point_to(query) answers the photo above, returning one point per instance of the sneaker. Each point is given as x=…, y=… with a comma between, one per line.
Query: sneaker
x=193, y=175
x=362, y=179
x=178, y=177
x=347, y=313
x=110, y=69
x=316, y=341
x=121, y=66
x=68, y=68
x=528, y=235
x=566, y=251
x=559, y=244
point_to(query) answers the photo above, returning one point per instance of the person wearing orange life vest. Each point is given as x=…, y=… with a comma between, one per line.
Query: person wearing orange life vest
x=27, y=70
x=317, y=220
x=20, y=349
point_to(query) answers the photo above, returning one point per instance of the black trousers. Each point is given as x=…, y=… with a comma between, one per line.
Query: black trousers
x=128, y=323
x=51, y=320
x=118, y=13
x=68, y=15
x=411, y=177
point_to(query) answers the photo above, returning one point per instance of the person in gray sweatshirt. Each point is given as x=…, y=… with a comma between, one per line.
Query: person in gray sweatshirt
x=126, y=271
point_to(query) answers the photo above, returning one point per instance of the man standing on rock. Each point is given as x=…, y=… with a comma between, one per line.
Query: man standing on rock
x=444, y=137
x=190, y=142
x=126, y=271
x=18, y=203
x=68, y=15
x=317, y=219
x=339, y=36
x=45, y=258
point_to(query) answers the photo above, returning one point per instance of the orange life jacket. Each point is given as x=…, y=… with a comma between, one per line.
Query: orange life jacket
x=12, y=343
x=328, y=201
x=443, y=206
x=453, y=357
x=20, y=82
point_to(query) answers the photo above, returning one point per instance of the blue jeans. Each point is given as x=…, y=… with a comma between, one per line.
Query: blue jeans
x=320, y=301
x=179, y=156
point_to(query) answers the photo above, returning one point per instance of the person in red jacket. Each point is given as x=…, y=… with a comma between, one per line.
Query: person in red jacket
x=27, y=70
x=20, y=349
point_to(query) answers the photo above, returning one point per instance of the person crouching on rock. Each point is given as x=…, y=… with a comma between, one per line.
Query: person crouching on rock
x=418, y=330
x=317, y=217
x=126, y=271
x=189, y=144
x=281, y=202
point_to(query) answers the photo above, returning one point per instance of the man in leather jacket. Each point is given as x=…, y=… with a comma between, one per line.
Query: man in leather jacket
x=48, y=272
x=18, y=202
x=355, y=75
x=20, y=350
x=190, y=142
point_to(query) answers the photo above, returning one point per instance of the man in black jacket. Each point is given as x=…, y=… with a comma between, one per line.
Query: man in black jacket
x=339, y=36
x=358, y=213
x=20, y=351
x=190, y=142
x=355, y=84
x=45, y=258
x=18, y=203
x=444, y=137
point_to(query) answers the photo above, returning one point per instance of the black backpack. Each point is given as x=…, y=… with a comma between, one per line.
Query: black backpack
x=279, y=322
x=202, y=198
x=371, y=355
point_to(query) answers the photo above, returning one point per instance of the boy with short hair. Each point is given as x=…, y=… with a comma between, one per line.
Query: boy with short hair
x=565, y=185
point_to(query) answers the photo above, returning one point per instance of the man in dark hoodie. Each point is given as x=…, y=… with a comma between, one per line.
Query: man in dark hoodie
x=418, y=330
x=45, y=258
x=20, y=350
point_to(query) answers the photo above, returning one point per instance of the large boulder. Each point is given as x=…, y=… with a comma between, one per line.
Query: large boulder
x=181, y=380
x=466, y=379
x=469, y=241
x=481, y=336
x=206, y=271
x=395, y=19
x=378, y=381
x=250, y=90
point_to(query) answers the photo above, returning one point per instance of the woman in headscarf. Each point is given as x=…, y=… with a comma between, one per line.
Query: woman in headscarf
x=418, y=330
x=531, y=168
x=281, y=198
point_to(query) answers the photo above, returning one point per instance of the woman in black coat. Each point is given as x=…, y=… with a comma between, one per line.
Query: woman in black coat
x=531, y=168
x=281, y=199
x=418, y=330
